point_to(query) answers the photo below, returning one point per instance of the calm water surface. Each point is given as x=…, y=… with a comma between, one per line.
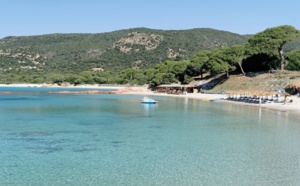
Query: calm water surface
x=115, y=140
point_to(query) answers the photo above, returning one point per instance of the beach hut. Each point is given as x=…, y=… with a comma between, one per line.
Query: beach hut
x=174, y=89
x=293, y=87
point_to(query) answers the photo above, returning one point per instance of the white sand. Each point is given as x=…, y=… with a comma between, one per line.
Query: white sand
x=292, y=107
x=21, y=85
x=69, y=86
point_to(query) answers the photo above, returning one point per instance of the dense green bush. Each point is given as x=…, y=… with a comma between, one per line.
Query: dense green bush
x=178, y=57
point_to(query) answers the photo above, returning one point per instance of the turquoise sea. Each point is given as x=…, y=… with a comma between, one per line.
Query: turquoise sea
x=114, y=140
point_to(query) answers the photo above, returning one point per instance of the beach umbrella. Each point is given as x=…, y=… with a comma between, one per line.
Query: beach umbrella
x=295, y=84
x=268, y=94
x=256, y=93
x=229, y=93
x=293, y=87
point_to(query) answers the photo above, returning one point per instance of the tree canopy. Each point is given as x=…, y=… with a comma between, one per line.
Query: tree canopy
x=261, y=52
x=200, y=60
x=293, y=59
x=272, y=40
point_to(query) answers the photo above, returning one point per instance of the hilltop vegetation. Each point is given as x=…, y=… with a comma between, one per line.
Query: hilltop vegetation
x=145, y=56
x=138, y=48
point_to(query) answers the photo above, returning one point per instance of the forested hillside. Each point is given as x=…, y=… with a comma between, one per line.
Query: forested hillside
x=146, y=56
x=138, y=48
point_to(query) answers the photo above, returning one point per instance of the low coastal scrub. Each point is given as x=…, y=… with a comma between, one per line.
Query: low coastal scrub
x=235, y=67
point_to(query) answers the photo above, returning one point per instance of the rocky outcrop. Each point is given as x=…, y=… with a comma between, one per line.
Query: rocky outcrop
x=173, y=54
x=25, y=60
x=149, y=41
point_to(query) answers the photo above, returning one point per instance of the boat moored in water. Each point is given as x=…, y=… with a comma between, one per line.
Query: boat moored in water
x=147, y=100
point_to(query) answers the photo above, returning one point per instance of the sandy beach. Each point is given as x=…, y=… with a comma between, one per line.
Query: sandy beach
x=289, y=107
x=114, y=87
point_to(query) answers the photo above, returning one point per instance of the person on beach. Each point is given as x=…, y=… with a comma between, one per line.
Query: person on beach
x=285, y=99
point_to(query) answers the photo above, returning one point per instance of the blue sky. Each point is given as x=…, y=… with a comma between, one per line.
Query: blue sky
x=36, y=17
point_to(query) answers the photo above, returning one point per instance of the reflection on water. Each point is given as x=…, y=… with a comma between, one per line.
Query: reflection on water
x=186, y=102
x=149, y=109
x=259, y=116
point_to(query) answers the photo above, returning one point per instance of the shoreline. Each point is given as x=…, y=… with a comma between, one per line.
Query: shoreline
x=289, y=107
x=28, y=85
x=143, y=91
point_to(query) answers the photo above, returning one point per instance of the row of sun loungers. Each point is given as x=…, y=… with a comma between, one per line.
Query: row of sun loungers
x=254, y=100
x=256, y=97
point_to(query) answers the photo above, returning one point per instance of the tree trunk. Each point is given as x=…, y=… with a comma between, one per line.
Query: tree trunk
x=281, y=55
x=240, y=64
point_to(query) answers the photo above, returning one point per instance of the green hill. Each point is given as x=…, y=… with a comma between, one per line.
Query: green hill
x=139, y=48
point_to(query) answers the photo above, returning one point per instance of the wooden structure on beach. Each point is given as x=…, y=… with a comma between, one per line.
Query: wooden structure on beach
x=175, y=89
x=293, y=87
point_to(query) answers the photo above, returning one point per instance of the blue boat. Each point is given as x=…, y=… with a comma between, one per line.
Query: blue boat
x=147, y=100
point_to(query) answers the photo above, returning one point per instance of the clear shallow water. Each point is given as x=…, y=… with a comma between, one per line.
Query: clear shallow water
x=114, y=140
